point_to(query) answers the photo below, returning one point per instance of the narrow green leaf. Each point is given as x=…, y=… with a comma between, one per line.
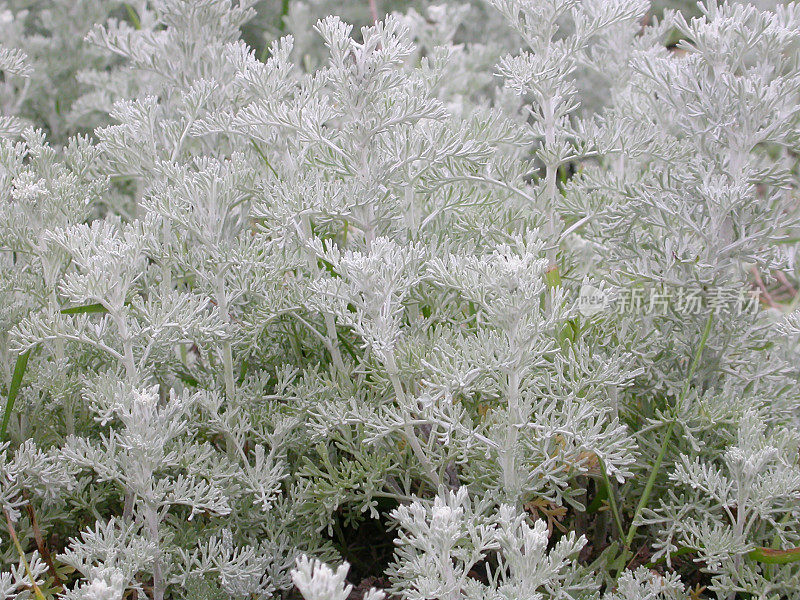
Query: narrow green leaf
x=612, y=500
x=774, y=557
x=87, y=308
x=619, y=564
x=13, y=390
x=137, y=24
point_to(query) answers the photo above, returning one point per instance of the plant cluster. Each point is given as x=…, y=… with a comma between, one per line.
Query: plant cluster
x=485, y=300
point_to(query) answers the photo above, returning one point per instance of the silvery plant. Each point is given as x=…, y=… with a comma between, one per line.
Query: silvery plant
x=466, y=300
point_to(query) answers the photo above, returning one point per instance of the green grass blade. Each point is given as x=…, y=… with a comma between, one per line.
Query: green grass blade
x=87, y=308
x=612, y=500
x=263, y=157
x=648, y=489
x=13, y=390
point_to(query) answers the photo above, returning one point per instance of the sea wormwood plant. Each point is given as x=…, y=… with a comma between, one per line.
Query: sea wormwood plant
x=468, y=300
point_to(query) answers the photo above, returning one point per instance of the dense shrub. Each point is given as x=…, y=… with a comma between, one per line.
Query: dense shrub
x=483, y=300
